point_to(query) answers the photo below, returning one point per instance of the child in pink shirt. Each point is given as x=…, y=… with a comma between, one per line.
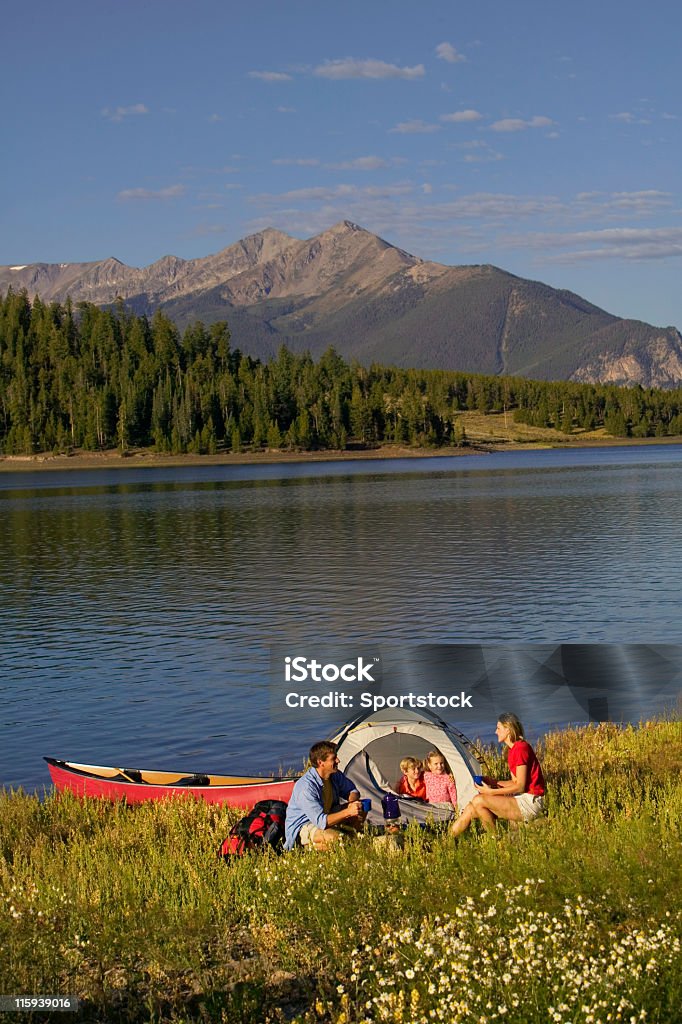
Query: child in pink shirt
x=440, y=785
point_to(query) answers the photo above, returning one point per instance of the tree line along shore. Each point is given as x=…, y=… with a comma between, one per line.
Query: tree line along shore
x=577, y=919
x=101, y=380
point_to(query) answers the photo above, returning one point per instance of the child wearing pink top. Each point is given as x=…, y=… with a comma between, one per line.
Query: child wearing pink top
x=440, y=785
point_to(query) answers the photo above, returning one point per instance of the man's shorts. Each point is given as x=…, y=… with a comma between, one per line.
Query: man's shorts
x=531, y=807
x=306, y=836
x=307, y=833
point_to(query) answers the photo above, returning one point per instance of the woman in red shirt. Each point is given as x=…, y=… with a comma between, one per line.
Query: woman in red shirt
x=520, y=798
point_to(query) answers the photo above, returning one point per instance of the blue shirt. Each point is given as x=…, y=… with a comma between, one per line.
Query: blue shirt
x=305, y=805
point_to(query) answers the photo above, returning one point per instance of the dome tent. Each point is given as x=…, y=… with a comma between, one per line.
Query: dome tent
x=371, y=747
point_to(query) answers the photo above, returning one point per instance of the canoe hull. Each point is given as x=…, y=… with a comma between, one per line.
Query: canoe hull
x=84, y=781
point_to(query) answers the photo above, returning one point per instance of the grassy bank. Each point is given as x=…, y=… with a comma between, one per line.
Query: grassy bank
x=577, y=919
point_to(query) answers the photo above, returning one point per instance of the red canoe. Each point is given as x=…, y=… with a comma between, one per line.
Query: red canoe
x=135, y=785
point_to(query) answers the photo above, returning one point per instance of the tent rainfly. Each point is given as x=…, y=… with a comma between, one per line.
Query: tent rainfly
x=371, y=747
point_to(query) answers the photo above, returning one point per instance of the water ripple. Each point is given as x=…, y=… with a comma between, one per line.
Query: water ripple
x=137, y=611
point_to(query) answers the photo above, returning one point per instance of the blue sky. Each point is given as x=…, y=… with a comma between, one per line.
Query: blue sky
x=541, y=137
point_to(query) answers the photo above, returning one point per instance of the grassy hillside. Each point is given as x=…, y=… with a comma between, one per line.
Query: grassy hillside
x=576, y=919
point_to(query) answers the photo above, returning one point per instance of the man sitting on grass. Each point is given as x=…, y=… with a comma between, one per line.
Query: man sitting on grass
x=315, y=815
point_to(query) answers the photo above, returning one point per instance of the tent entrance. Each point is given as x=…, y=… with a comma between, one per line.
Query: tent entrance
x=388, y=751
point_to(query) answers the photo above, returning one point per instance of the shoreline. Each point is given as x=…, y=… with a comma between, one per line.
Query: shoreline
x=145, y=457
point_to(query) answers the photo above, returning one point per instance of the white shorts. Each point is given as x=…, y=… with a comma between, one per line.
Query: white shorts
x=308, y=831
x=307, y=834
x=530, y=806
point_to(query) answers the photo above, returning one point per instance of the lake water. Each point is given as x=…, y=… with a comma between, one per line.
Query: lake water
x=138, y=607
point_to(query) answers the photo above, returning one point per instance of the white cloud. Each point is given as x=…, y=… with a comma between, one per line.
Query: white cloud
x=632, y=244
x=643, y=203
x=447, y=52
x=197, y=170
x=605, y=243
x=416, y=127
x=485, y=156
x=411, y=215
x=120, y=113
x=361, y=163
x=351, y=67
x=286, y=110
x=270, y=76
x=475, y=206
x=205, y=230
x=292, y=161
x=516, y=124
x=461, y=116
x=170, y=192
x=478, y=152
x=633, y=254
x=416, y=222
x=626, y=117
x=501, y=206
x=327, y=194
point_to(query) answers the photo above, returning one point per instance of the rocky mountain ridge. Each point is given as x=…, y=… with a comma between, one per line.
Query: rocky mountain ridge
x=375, y=302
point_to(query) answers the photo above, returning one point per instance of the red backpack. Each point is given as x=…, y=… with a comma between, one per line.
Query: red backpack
x=261, y=829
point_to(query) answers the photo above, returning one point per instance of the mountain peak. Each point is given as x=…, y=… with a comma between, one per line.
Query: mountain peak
x=269, y=235
x=348, y=230
x=346, y=225
x=276, y=233
x=167, y=264
x=345, y=228
x=259, y=246
x=373, y=301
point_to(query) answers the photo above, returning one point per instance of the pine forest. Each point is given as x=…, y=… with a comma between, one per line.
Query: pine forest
x=83, y=377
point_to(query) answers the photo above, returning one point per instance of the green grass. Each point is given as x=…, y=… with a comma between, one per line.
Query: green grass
x=570, y=920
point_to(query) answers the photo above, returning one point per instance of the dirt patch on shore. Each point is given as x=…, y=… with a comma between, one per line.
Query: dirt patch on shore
x=145, y=457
